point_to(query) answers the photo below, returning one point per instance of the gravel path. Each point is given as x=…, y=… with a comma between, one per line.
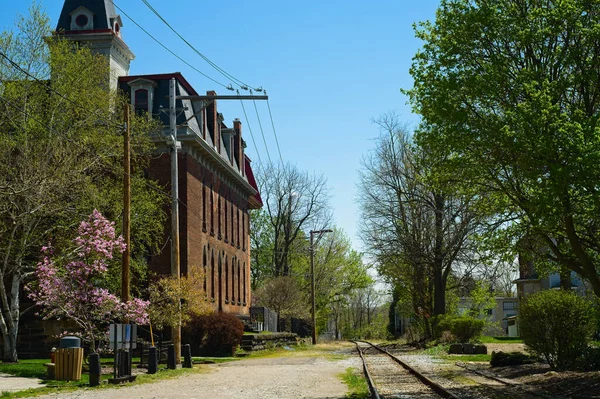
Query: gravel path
x=268, y=378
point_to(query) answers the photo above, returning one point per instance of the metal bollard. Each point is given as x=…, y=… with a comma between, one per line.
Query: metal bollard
x=95, y=369
x=171, y=357
x=187, y=356
x=152, y=360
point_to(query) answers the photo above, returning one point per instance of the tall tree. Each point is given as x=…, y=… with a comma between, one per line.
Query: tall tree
x=295, y=202
x=60, y=150
x=417, y=231
x=508, y=92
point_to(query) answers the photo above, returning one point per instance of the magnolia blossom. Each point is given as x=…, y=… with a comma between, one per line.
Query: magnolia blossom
x=70, y=290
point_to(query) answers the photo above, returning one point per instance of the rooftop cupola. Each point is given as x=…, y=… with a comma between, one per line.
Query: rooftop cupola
x=95, y=23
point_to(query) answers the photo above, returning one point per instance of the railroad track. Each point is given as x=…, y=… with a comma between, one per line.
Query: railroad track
x=392, y=377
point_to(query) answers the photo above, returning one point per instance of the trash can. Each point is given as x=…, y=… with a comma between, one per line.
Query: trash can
x=69, y=359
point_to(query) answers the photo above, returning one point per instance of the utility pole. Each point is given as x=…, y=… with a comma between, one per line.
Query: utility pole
x=175, y=271
x=126, y=205
x=312, y=282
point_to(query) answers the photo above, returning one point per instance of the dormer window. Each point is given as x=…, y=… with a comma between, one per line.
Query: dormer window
x=142, y=96
x=141, y=101
x=116, y=24
x=82, y=19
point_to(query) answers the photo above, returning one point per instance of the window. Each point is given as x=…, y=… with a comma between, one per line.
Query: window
x=212, y=275
x=219, y=236
x=81, y=20
x=226, y=219
x=141, y=101
x=226, y=281
x=510, y=305
x=232, y=226
x=233, y=280
x=211, y=209
x=243, y=230
x=203, y=199
x=204, y=268
x=239, y=284
x=244, y=274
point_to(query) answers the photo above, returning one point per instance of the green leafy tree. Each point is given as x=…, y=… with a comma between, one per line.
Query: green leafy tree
x=177, y=301
x=261, y=244
x=509, y=97
x=60, y=151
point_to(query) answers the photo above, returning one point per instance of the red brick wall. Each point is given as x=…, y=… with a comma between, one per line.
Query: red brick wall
x=195, y=183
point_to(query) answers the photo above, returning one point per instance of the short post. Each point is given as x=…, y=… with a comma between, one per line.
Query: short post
x=187, y=356
x=95, y=369
x=171, y=357
x=152, y=360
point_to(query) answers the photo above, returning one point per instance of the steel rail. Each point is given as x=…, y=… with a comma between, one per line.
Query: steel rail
x=440, y=390
x=372, y=388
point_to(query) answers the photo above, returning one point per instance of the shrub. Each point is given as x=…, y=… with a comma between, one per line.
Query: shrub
x=557, y=325
x=218, y=334
x=466, y=329
x=463, y=328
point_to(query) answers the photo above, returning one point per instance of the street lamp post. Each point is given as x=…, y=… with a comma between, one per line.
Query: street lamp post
x=312, y=281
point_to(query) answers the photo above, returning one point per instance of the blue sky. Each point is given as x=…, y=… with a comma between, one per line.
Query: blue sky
x=329, y=68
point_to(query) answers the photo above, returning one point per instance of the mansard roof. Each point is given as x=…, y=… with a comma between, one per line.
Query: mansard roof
x=104, y=11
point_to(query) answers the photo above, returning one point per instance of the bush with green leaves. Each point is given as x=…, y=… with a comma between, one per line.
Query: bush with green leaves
x=557, y=325
x=218, y=334
x=463, y=328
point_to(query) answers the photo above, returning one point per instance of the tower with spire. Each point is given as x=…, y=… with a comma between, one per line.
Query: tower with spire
x=95, y=24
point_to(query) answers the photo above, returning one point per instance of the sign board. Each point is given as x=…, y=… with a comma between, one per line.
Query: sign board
x=123, y=336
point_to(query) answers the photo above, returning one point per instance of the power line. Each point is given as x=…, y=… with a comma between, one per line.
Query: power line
x=274, y=131
x=250, y=129
x=168, y=49
x=262, y=131
x=238, y=82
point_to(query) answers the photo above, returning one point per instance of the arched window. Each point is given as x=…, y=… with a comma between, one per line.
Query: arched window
x=141, y=101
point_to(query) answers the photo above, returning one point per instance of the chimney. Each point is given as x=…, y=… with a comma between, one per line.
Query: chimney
x=213, y=120
x=237, y=144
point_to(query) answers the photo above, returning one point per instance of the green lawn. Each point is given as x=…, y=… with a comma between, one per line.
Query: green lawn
x=500, y=340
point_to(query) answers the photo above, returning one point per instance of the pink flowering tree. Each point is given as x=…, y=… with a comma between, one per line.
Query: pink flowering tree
x=72, y=288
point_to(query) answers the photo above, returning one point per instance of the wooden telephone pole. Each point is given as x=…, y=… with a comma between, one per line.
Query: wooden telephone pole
x=126, y=205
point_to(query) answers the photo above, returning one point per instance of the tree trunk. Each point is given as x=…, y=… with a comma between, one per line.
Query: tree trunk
x=439, y=289
x=565, y=278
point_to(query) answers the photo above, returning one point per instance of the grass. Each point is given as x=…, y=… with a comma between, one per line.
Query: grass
x=500, y=340
x=357, y=384
x=25, y=368
x=35, y=369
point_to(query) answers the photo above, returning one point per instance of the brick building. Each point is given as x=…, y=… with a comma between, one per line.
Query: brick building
x=216, y=184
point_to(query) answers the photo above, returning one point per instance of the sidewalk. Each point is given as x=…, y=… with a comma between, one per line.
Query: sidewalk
x=11, y=383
